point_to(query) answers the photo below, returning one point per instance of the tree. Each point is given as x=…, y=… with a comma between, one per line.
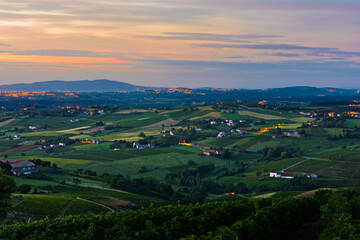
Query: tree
x=99, y=123
x=24, y=188
x=7, y=187
x=241, y=188
x=191, y=163
x=225, y=154
x=278, y=131
x=76, y=181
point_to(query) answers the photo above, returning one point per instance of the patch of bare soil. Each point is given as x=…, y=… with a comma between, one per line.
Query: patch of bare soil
x=19, y=149
x=166, y=122
x=312, y=192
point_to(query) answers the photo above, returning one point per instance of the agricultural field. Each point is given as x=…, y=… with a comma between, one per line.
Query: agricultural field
x=101, y=170
x=42, y=206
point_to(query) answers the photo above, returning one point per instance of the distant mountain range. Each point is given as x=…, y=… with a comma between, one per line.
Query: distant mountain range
x=99, y=85
x=104, y=85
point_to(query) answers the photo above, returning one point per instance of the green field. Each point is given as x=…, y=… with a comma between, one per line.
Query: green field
x=82, y=207
x=42, y=205
x=183, y=168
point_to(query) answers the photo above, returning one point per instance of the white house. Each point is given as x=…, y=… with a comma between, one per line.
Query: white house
x=221, y=135
x=275, y=174
x=285, y=175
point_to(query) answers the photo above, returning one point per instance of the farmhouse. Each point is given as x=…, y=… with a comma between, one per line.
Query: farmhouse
x=292, y=134
x=281, y=174
x=35, y=127
x=221, y=135
x=242, y=131
x=289, y=175
x=207, y=153
x=275, y=174
x=314, y=175
x=143, y=146
x=212, y=153
x=21, y=167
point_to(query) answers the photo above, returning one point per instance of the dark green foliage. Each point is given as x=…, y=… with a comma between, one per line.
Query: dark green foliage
x=282, y=152
x=341, y=214
x=76, y=181
x=169, y=222
x=277, y=221
x=261, y=219
x=7, y=186
x=100, y=123
x=330, y=122
x=6, y=167
x=189, y=176
x=24, y=188
x=145, y=186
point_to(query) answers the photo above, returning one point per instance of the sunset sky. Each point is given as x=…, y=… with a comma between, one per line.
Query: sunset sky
x=182, y=43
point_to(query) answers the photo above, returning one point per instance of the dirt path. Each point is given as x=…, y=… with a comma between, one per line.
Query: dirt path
x=65, y=208
x=110, y=209
x=3, y=123
x=73, y=129
x=294, y=164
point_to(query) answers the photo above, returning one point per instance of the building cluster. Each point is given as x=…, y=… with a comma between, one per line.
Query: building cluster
x=52, y=145
x=19, y=167
x=221, y=135
x=35, y=127
x=228, y=122
x=212, y=153
x=294, y=134
x=290, y=175
x=93, y=141
x=143, y=146
x=353, y=114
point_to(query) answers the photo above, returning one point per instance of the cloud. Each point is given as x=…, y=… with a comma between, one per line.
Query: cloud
x=291, y=67
x=4, y=44
x=310, y=51
x=333, y=52
x=60, y=53
x=263, y=46
x=282, y=54
x=234, y=57
x=210, y=36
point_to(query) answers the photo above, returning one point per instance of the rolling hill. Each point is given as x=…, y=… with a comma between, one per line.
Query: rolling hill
x=99, y=85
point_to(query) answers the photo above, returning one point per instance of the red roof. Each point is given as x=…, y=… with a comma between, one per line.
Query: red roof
x=9, y=160
x=288, y=174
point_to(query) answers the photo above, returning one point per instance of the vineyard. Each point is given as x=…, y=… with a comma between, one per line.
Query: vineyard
x=271, y=218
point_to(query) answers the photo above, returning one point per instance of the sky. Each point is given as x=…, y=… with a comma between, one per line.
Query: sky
x=182, y=43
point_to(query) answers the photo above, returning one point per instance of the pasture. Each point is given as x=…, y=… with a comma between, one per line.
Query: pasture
x=259, y=115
